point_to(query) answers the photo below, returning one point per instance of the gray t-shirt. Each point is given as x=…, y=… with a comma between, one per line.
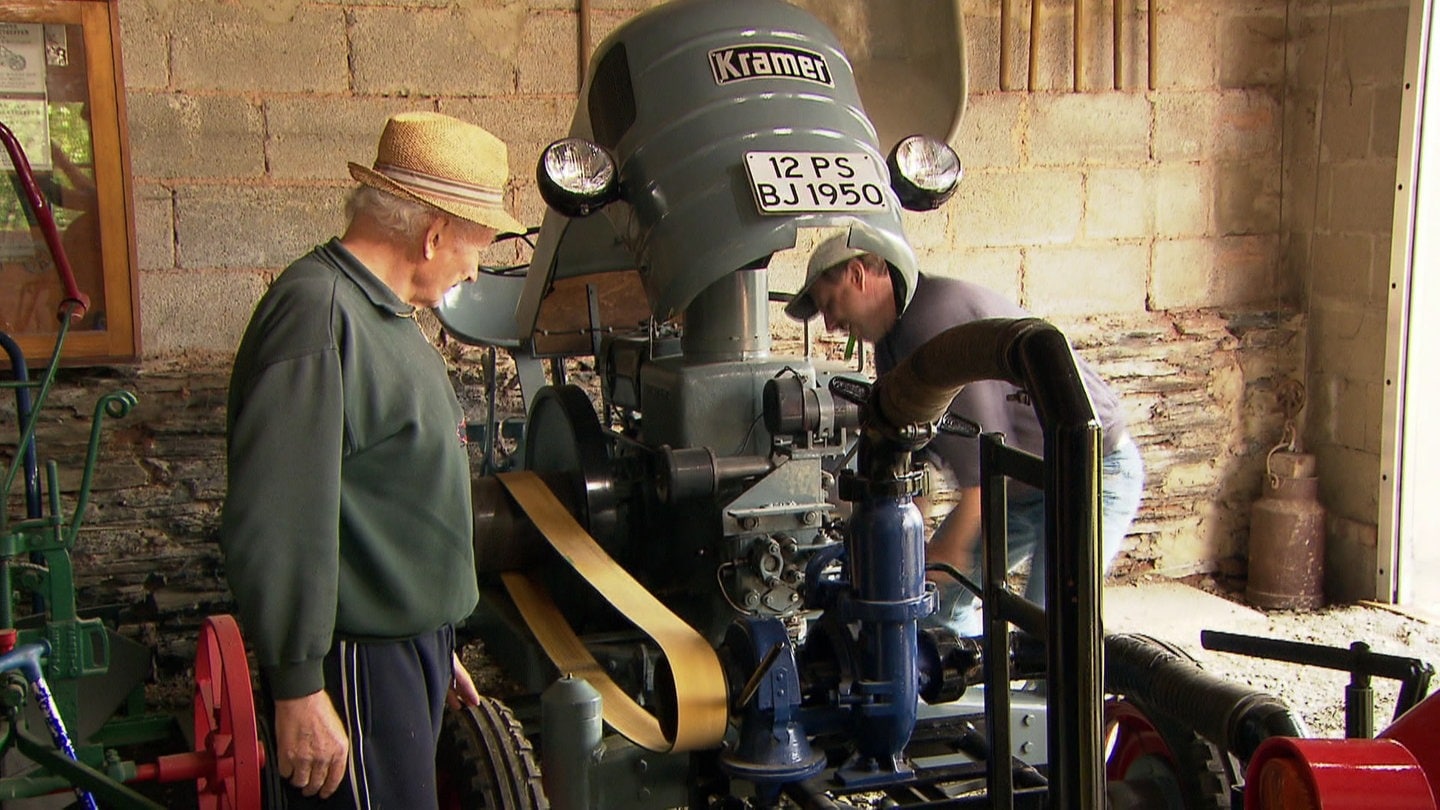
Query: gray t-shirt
x=942, y=303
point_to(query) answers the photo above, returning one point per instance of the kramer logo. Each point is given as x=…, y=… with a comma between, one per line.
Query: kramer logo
x=766, y=61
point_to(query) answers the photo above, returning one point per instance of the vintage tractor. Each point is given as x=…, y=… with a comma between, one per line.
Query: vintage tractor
x=716, y=549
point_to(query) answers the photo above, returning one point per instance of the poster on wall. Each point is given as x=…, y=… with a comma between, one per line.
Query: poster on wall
x=29, y=120
x=22, y=58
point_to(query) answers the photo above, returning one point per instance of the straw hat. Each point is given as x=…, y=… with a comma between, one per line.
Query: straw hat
x=444, y=162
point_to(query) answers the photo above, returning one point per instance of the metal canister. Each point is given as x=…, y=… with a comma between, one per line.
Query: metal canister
x=1287, y=537
x=571, y=725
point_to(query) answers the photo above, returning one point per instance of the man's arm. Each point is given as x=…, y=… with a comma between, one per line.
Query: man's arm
x=311, y=744
x=954, y=541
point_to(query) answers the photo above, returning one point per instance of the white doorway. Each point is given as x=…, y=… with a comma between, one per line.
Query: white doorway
x=1408, y=553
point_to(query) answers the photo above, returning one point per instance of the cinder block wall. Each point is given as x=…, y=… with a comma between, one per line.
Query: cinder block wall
x=1341, y=136
x=1153, y=226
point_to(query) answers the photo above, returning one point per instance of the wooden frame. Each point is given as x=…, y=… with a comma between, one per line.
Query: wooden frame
x=76, y=86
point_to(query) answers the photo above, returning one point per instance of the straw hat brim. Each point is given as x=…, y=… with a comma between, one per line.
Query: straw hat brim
x=489, y=216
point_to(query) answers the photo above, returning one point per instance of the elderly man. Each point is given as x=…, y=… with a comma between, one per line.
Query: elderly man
x=347, y=525
x=857, y=291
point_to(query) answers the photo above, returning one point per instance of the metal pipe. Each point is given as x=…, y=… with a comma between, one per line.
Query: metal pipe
x=583, y=43
x=1007, y=11
x=1082, y=43
x=1152, y=49
x=1118, y=47
x=45, y=218
x=1034, y=73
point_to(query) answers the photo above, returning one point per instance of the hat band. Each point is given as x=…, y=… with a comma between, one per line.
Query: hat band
x=444, y=187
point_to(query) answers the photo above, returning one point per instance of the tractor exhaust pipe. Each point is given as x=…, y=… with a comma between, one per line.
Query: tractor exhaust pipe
x=1168, y=682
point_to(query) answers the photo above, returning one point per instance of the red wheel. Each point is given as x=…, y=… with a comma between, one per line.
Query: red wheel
x=1130, y=740
x=225, y=719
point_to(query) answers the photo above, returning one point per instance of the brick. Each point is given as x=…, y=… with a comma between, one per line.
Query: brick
x=315, y=138
x=175, y=135
x=1087, y=280
x=1118, y=204
x=144, y=45
x=1341, y=265
x=224, y=48
x=253, y=227
x=1182, y=195
x=1247, y=198
x=990, y=132
x=1362, y=195
x=1017, y=208
x=154, y=227
x=1254, y=49
x=1089, y=128
x=189, y=311
x=468, y=51
x=527, y=124
x=1345, y=122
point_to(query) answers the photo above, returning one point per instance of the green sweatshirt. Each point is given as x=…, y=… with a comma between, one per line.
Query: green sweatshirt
x=348, y=508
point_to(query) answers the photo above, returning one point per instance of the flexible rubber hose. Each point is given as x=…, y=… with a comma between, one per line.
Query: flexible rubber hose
x=1230, y=715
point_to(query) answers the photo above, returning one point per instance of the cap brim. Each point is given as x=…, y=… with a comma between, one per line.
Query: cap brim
x=497, y=218
x=802, y=306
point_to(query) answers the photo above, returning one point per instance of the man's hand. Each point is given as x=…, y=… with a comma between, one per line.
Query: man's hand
x=462, y=688
x=311, y=744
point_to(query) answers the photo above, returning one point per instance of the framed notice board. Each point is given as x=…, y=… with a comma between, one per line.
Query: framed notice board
x=62, y=95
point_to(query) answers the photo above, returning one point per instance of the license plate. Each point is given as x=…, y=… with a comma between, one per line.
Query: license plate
x=811, y=182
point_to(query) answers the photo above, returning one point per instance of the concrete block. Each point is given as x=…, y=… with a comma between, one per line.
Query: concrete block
x=196, y=311
x=154, y=227
x=1346, y=121
x=1349, y=481
x=468, y=50
x=1180, y=271
x=1017, y=208
x=1118, y=204
x=1362, y=196
x=926, y=229
x=1187, y=41
x=548, y=59
x=242, y=227
x=315, y=138
x=226, y=47
x=527, y=124
x=1347, y=339
x=983, y=56
x=1246, y=125
x=998, y=270
x=990, y=133
x=1254, y=49
x=1385, y=122
x=195, y=136
x=1247, y=198
x=1087, y=280
x=1351, y=558
x=1181, y=194
x=1373, y=44
x=1182, y=126
x=1341, y=265
x=1219, y=272
x=1069, y=129
x=1247, y=270
x=144, y=46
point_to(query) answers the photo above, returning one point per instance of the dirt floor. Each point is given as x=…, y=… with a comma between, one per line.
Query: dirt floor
x=1177, y=611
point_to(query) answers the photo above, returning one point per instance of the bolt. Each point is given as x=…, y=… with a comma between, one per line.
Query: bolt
x=641, y=766
x=749, y=522
x=1025, y=747
x=1027, y=720
x=810, y=518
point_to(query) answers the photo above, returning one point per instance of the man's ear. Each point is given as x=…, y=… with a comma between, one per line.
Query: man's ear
x=433, y=233
x=855, y=271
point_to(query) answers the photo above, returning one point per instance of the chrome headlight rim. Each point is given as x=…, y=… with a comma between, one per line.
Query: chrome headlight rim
x=924, y=172
x=577, y=177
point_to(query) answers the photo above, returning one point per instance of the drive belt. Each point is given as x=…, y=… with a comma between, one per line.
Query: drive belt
x=700, y=701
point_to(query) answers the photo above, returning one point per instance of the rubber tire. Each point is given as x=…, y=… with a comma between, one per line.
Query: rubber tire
x=485, y=762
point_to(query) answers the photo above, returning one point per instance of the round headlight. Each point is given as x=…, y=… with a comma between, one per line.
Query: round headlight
x=924, y=172
x=576, y=177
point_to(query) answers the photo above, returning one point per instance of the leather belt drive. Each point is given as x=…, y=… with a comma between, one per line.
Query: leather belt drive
x=700, y=696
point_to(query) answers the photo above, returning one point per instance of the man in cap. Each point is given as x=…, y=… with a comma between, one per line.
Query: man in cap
x=347, y=525
x=859, y=291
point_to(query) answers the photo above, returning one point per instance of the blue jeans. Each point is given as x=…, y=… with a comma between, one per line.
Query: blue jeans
x=1122, y=478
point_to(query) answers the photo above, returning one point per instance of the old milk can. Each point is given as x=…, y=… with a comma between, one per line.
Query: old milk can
x=1287, y=536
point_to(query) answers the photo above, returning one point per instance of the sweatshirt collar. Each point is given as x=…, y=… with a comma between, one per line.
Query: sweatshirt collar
x=376, y=290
